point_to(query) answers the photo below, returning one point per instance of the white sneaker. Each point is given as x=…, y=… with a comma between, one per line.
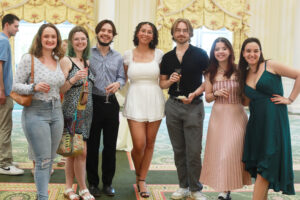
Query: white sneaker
x=224, y=196
x=181, y=193
x=11, y=170
x=198, y=196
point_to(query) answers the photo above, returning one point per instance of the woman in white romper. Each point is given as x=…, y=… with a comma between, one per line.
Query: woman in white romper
x=144, y=104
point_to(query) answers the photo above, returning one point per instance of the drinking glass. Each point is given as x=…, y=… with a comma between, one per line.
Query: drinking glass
x=107, y=93
x=178, y=71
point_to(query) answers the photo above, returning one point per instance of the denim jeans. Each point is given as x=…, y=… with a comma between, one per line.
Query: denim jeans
x=42, y=123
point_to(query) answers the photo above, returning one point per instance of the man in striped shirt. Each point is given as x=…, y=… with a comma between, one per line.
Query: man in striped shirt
x=107, y=66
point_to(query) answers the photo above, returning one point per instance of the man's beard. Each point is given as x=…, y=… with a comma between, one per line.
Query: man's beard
x=103, y=43
x=182, y=41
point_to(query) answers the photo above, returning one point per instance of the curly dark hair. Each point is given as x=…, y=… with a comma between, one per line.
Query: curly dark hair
x=154, y=41
x=36, y=46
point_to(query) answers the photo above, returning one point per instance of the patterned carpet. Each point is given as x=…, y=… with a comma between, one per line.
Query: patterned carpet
x=163, y=154
x=27, y=191
x=162, y=165
x=164, y=192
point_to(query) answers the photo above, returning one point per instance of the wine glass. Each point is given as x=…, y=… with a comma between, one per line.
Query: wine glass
x=107, y=93
x=178, y=71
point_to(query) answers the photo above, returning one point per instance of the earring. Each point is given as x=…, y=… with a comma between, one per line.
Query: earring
x=247, y=68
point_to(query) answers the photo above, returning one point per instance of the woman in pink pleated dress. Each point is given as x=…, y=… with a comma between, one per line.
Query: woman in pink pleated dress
x=223, y=169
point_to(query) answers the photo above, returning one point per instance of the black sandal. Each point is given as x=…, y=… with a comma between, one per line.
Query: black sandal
x=137, y=181
x=143, y=194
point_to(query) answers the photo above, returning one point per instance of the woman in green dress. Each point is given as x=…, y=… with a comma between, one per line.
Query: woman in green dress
x=267, y=149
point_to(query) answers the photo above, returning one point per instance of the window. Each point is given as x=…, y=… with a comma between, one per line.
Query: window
x=204, y=37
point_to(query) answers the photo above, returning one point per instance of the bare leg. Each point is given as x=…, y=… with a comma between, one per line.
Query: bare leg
x=143, y=137
x=69, y=171
x=79, y=168
x=260, y=188
x=138, y=134
x=152, y=128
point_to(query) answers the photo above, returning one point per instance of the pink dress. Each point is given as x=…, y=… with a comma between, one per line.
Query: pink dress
x=223, y=169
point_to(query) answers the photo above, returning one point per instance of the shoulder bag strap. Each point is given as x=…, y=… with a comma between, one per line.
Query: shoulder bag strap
x=32, y=70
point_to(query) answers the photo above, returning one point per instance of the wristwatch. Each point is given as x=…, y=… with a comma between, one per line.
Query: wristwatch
x=32, y=87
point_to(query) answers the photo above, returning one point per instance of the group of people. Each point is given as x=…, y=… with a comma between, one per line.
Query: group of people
x=236, y=148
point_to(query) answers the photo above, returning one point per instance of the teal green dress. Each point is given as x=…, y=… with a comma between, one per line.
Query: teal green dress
x=267, y=148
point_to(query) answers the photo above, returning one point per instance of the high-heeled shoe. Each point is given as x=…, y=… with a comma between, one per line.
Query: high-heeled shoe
x=137, y=181
x=144, y=194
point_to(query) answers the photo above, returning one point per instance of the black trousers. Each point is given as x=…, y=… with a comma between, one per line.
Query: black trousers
x=105, y=120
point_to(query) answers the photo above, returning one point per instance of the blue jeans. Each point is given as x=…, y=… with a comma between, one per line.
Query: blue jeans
x=42, y=123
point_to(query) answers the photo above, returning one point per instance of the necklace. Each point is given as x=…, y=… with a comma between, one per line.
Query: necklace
x=221, y=70
x=80, y=59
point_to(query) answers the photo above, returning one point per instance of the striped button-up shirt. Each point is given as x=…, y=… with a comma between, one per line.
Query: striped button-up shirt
x=106, y=69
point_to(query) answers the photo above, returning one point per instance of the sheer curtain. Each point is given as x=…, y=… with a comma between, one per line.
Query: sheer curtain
x=275, y=23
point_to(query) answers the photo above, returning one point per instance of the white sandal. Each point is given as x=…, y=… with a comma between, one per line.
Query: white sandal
x=86, y=197
x=72, y=196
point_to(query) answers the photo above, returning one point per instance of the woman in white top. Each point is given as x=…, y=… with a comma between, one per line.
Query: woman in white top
x=144, y=104
x=42, y=121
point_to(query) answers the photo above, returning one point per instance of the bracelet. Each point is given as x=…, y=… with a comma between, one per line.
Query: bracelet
x=291, y=99
x=69, y=82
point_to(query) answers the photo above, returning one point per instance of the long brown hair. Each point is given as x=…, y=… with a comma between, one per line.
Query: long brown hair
x=36, y=46
x=243, y=64
x=213, y=62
